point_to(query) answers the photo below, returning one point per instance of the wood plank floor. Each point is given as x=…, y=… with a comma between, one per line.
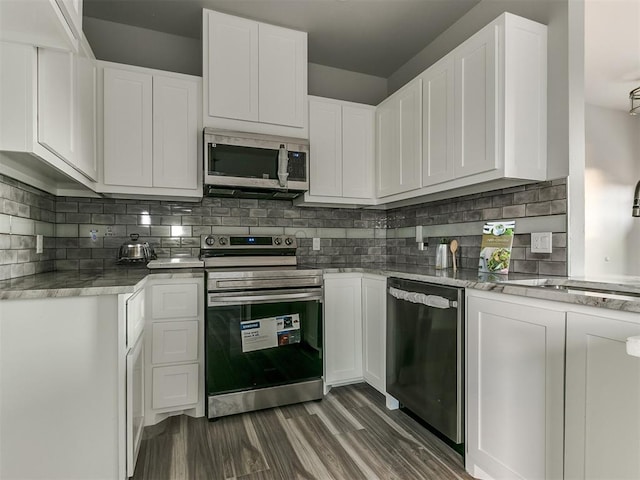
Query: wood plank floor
x=349, y=435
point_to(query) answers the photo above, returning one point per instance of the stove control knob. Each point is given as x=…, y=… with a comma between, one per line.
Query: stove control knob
x=222, y=241
x=288, y=241
x=210, y=240
x=277, y=241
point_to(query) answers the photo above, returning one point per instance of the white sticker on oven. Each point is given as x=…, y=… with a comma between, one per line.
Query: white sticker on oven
x=270, y=332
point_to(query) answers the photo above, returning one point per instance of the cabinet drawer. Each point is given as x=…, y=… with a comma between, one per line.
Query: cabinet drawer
x=135, y=317
x=175, y=386
x=175, y=342
x=174, y=301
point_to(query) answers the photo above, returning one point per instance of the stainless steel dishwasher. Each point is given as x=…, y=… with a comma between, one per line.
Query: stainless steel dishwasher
x=425, y=345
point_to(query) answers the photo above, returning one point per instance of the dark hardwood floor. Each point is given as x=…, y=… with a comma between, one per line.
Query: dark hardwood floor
x=349, y=435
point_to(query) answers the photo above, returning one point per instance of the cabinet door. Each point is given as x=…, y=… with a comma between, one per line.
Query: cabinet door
x=387, y=148
x=283, y=82
x=135, y=403
x=127, y=128
x=357, y=151
x=56, y=102
x=233, y=67
x=86, y=158
x=175, y=133
x=374, y=316
x=410, y=116
x=476, y=103
x=325, y=139
x=135, y=317
x=343, y=330
x=603, y=398
x=174, y=301
x=437, y=122
x=515, y=389
x=175, y=386
x=174, y=342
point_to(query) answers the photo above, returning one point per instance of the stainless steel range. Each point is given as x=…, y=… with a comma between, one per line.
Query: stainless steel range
x=264, y=331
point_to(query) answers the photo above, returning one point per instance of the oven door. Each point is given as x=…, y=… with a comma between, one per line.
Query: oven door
x=262, y=338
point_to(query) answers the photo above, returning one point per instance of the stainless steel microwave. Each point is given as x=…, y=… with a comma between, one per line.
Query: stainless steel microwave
x=253, y=165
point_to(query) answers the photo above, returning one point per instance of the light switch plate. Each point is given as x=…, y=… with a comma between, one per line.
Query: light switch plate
x=39, y=244
x=316, y=243
x=541, y=242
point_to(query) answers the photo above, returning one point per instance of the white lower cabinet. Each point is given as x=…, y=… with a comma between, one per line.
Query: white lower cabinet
x=603, y=397
x=374, y=330
x=175, y=347
x=175, y=386
x=355, y=315
x=342, y=328
x=514, y=387
x=63, y=388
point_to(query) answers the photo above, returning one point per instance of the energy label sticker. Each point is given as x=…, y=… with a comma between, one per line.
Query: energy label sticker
x=270, y=332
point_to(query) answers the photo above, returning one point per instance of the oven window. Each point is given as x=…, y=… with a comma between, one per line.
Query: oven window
x=247, y=348
x=237, y=161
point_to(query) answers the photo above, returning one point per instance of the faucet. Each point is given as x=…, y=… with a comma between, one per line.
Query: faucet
x=635, y=212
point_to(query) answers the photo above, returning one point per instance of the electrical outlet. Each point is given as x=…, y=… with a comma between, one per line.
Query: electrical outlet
x=541, y=242
x=39, y=243
x=316, y=243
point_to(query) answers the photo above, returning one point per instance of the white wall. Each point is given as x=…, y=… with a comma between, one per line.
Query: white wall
x=612, y=235
x=131, y=45
x=345, y=85
x=115, y=42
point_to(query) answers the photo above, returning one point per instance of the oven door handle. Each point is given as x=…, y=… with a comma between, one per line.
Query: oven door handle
x=219, y=299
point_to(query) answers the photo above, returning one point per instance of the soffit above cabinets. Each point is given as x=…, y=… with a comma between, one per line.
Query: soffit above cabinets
x=375, y=38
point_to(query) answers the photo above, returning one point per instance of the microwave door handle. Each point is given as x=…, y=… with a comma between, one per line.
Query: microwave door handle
x=283, y=165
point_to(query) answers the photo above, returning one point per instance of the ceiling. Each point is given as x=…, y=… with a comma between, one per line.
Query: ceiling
x=612, y=52
x=375, y=37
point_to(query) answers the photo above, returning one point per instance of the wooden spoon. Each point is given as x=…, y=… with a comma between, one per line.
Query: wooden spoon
x=453, y=246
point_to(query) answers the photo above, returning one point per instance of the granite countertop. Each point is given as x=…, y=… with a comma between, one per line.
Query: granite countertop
x=86, y=283
x=616, y=293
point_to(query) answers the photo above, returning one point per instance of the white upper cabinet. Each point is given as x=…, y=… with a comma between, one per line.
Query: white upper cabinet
x=484, y=117
x=437, y=122
x=255, y=76
x=57, y=102
x=341, y=137
x=151, y=133
x=325, y=143
x=476, y=94
x=399, y=141
x=47, y=110
x=127, y=128
x=175, y=119
x=72, y=12
x=42, y=23
x=232, y=70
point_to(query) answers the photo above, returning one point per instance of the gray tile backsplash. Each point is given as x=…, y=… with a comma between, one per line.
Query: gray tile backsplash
x=24, y=213
x=348, y=236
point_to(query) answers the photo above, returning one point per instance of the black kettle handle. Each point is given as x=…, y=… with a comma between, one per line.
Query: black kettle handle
x=134, y=236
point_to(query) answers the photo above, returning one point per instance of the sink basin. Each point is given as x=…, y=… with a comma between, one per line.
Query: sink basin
x=622, y=292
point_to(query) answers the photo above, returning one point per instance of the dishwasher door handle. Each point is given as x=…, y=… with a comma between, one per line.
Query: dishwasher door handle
x=435, y=301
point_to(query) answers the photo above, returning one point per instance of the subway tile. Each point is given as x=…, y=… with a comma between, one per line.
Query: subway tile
x=66, y=207
x=78, y=217
x=537, y=209
x=229, y=230
x=113, y=208
x=160, y=231
x=102, y=219
x=126, y=219
x=5, y=223
x=92, y=208
x=301, y=232
x=513, y=211
x=169, y=220
x=22, y=226
x=552, y=268
x=45, y=228
x=266, y=230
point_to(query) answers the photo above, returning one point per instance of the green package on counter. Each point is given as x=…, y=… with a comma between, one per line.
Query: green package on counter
x=495, y=249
